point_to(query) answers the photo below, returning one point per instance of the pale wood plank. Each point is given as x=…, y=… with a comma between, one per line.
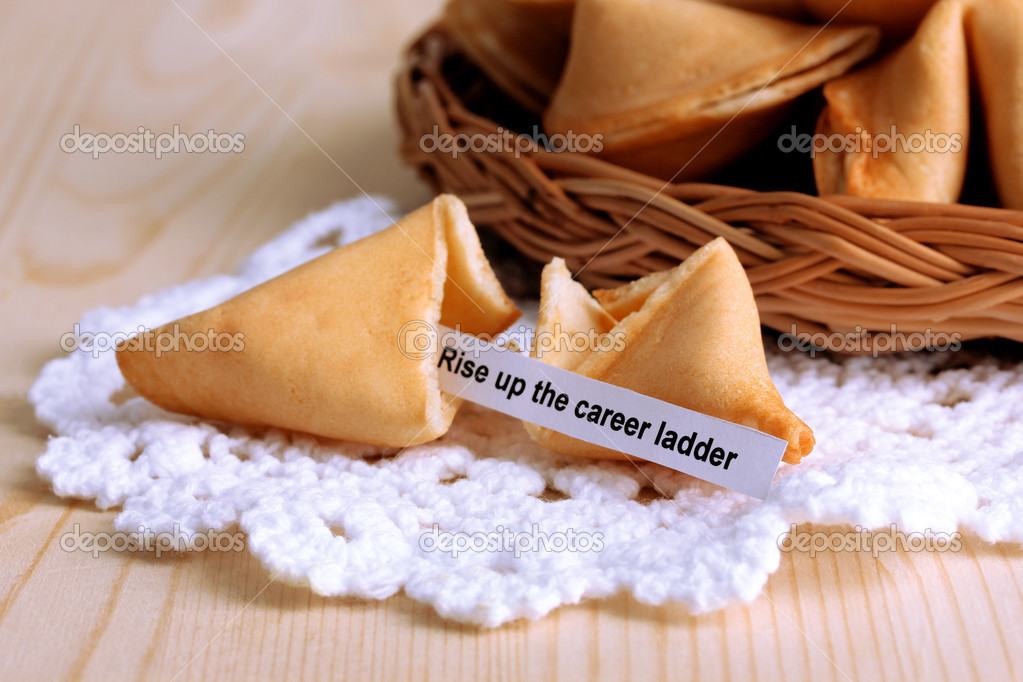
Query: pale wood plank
x=77, y=232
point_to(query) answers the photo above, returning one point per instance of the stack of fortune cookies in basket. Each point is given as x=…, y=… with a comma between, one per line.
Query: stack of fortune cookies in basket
x=681, y=89
x=323, y=352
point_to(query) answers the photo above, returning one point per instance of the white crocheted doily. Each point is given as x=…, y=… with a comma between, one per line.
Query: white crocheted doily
x=917, y=440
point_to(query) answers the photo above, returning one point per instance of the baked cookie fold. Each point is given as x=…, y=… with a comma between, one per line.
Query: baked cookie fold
x=897, y=19
x=691, y=337
x=340, y=346
x=995, y=33
x=521, y=46
x=678, y=88
x=899, y=128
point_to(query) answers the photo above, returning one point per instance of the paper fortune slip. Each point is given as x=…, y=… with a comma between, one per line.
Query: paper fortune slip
x=729, y=455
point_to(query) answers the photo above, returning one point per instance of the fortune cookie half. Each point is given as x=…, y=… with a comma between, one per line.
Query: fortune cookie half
x=691, y=337
x=678, y=88
x=905, y=120
x=340, y=346
x=521, y=46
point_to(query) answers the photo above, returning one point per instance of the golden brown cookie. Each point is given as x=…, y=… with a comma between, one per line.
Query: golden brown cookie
x=995, y=32
x=902, y=123
x=334, y=347
x=678, y=88
x=521, y=46
x=692, y=340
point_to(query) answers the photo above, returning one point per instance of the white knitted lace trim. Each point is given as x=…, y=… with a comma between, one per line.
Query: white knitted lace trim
x=915, y=440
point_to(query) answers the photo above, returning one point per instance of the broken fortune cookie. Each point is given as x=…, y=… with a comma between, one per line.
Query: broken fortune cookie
x=326, y=345
x=691, y=338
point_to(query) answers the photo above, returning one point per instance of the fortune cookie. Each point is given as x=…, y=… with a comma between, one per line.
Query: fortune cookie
x=340, y=346
x=995, y=29
x=521, y=46
x=902, y=124
x=690, y=336
x=678, y=88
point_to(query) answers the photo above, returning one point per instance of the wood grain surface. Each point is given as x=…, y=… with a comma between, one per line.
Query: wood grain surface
x=308, y=84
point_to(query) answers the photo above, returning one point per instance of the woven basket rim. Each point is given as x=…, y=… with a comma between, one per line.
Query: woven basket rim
x=817, y=264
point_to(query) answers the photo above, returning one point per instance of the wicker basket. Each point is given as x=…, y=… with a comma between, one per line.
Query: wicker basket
x=833, y=264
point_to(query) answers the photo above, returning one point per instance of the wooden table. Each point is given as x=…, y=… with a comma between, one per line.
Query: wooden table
x=309, y=86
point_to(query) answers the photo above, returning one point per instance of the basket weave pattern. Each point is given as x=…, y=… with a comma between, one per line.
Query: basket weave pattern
x=833, y=263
